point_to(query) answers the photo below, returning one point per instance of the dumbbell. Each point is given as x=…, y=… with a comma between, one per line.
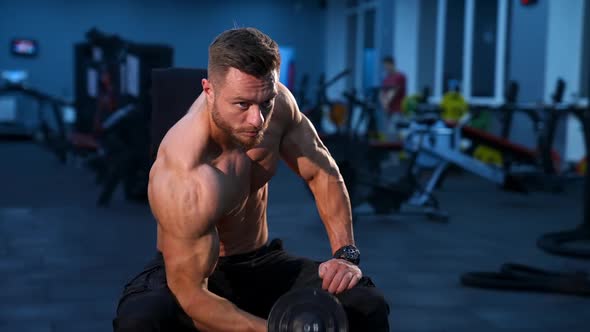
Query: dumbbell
x=307, y=310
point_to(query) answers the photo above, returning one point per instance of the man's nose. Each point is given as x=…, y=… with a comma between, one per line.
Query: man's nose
x=255, y=117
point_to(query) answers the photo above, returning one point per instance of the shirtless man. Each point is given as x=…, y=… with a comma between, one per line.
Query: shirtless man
x=216, y=269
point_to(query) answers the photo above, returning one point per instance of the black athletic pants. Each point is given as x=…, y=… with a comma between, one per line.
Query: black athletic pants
x=253, y=282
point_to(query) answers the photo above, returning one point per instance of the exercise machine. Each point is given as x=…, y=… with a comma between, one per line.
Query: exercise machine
x=573, y=243
x=113, y=98
x=432, y=147
x=538, y=168
x=51, y=128
x=319, y=113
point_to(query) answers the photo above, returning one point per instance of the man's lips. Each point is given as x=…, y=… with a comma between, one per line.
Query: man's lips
x=250, y=133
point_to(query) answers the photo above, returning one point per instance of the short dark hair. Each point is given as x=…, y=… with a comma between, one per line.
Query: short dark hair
x=246, y=49
x=388, y=59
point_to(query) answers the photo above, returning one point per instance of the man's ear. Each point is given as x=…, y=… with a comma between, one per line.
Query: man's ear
x=208, y=90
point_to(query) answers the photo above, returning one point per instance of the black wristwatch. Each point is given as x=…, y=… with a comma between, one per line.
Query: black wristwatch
x=349, y=253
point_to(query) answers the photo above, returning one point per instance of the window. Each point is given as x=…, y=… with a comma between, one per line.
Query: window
x=351, y=3
x=585, y=77
x=370, y=61
x=351, y=28
x=470, y=48
x=362, y=49
x=484, y=48
x=426, y=44
x=454, y=44
x=384, y=30
x=362, y=54
x=286, y=73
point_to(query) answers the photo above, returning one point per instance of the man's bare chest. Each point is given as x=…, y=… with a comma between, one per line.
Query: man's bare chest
x=245, y=175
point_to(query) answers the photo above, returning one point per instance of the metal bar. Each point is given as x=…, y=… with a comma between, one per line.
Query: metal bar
x=468, y=163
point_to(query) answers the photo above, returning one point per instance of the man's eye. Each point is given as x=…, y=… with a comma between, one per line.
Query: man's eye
x=243, y=106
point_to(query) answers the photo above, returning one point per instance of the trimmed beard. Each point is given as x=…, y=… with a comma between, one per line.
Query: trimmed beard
x=242, y=141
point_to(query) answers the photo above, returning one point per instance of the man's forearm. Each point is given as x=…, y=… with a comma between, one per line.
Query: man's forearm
x=387, y=96
x=333, y=203
x=210, y=312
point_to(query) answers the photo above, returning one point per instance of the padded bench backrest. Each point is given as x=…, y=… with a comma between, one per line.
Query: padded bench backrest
x=173, y=92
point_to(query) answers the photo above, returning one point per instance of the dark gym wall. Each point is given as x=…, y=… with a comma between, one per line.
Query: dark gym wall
x=186, y=25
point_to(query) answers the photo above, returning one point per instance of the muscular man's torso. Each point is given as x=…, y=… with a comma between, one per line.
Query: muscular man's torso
x=243, y=175
x=244, y=227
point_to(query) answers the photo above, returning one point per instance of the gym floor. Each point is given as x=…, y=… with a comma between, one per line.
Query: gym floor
x=63, y=261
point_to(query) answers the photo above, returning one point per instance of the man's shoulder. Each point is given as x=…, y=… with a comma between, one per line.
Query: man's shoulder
x=172, y=174
x=284, y=97
x=179, y=161
x=185, y=143
x=285, y=109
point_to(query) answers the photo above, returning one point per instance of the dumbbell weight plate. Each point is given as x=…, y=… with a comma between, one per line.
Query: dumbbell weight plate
x=307, y=310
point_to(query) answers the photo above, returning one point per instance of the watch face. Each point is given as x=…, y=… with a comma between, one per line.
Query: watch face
x=350, y=254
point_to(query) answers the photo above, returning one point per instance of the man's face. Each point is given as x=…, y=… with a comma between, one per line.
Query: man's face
x=243, y=104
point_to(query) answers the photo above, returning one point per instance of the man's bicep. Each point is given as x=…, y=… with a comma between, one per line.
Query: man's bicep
x=189, y=260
